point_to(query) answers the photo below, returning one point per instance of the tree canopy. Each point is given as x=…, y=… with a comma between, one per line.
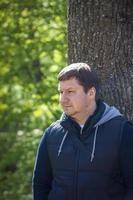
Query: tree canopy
x=32, y=51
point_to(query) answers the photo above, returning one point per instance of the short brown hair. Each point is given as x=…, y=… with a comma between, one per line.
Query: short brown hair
x=86, y=76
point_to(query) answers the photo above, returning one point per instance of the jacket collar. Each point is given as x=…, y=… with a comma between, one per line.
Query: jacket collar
x=67, y=122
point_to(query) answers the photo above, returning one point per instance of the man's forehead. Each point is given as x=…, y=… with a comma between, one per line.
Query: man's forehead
x=70, y=83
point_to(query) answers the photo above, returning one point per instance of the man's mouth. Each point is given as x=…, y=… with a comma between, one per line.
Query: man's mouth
x=66, y=106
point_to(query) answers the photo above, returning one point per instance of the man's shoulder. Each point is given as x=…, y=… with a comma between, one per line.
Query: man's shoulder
x=128, y=127
x=54, y=133
x=120, y=118
x=54, y=128
x=127, y=136
x=55, y=125
x=125, y=121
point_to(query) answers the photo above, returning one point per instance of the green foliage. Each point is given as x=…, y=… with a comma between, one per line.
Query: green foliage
x=32, y=51
x=17, y=162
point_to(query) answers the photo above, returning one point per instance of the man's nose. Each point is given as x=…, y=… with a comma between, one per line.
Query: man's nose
x=63, y=98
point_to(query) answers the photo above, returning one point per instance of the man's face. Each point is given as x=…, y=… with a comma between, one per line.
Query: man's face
x=73, y=99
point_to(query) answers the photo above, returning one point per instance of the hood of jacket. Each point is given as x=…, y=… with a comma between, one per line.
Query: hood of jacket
x=109, y=113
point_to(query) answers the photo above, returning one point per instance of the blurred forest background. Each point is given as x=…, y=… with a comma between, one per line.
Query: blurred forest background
x=33, y=47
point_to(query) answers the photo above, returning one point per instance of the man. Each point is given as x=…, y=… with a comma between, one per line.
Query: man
x=88, y=153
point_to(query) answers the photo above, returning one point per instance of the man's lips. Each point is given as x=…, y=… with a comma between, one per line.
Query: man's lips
x=66, y=106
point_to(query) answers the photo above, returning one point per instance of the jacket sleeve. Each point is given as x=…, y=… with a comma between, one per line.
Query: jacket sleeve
x=126, y=159
x=42, y=175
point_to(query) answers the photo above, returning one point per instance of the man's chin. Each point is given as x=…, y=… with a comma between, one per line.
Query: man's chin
x=71, y=114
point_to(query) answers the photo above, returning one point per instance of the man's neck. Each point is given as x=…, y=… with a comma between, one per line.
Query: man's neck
x=81, y=119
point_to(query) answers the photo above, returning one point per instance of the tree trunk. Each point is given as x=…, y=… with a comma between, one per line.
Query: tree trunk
x=100, y=33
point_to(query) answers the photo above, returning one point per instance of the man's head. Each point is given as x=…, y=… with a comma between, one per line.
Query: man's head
x=78, y=86
x=83, y=73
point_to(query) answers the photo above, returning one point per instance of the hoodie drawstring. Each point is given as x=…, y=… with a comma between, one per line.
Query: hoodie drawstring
x=94, y=144
x=61, y=145
x=93, y=148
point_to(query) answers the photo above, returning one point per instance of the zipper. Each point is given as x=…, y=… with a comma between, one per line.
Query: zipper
x=76, y=176
x=76, y=171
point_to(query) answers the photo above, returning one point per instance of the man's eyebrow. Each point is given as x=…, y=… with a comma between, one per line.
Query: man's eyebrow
x=70, y=88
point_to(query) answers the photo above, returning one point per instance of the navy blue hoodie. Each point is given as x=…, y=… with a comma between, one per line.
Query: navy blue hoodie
x=95, y=162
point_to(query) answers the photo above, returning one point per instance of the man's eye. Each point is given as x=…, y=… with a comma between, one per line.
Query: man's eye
x=60, y=92
x=70, y=91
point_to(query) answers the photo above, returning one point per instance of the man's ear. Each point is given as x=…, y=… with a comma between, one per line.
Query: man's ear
x=92, y=92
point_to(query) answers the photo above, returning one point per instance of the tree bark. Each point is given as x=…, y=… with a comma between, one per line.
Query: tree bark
x=100, y=33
